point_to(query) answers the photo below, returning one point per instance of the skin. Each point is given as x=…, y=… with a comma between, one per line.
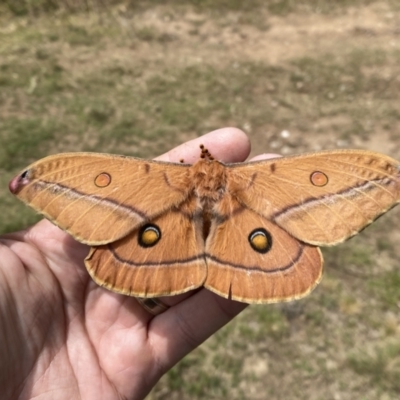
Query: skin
x=64, y=337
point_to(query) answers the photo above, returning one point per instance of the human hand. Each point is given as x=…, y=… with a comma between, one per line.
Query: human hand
x=62, y=336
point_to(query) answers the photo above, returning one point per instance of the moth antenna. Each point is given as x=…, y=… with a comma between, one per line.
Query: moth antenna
x=205, y=153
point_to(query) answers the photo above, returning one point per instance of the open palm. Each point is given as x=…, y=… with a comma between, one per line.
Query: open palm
x=62, y=336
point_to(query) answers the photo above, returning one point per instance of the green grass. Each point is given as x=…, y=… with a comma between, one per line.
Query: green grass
x=275, y=7
x=381, y=365
x=25, y=140
x=387, y=289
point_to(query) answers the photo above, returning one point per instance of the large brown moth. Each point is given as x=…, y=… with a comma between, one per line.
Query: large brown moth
x=246, y=231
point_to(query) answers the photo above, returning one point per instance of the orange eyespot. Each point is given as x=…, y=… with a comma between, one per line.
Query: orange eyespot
x=102, y=180
x=260, y=240
x=149, y=235
x=318, y=178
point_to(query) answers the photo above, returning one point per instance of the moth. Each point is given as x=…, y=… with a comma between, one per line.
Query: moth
x=246, y=231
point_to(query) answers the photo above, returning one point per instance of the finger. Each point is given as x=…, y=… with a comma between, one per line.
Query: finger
x=226, y=144
x=265, y=156
x=185, y=326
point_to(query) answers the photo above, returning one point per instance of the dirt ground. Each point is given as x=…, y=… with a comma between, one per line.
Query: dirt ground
x=193, y=39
